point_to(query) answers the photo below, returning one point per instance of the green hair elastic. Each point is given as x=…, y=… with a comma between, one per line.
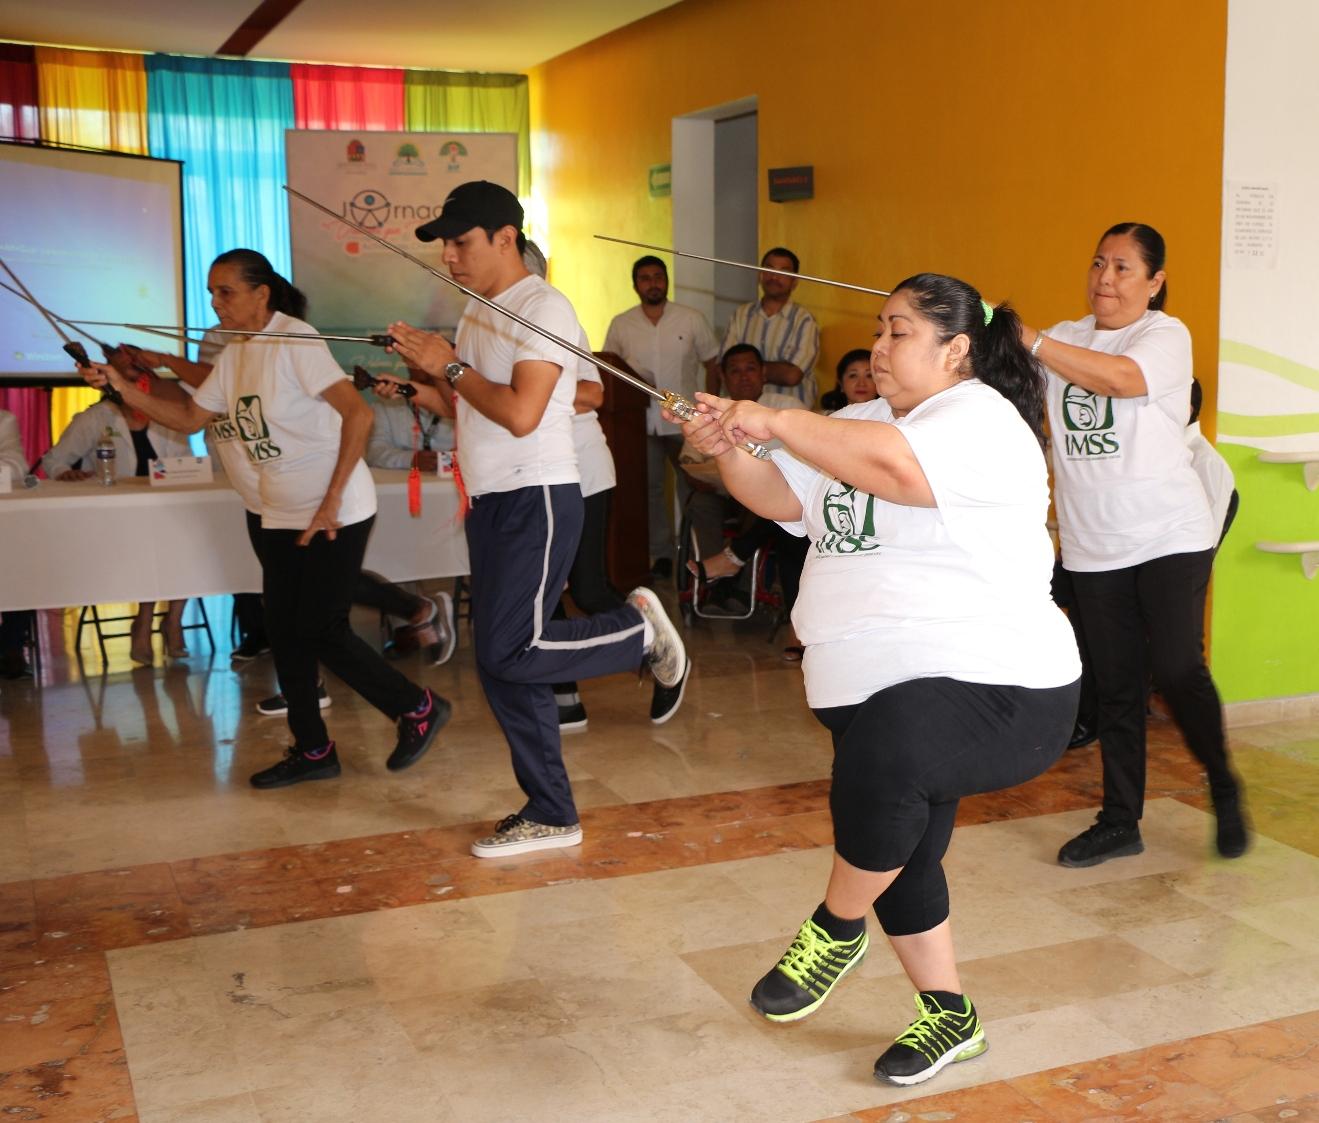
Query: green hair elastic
x=989, y=311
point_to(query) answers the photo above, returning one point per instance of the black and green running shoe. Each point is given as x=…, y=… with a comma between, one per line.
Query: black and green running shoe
x=936, y=1038
x=803, y=978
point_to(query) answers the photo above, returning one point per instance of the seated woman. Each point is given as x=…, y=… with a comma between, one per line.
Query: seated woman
x=856, y=383
x=138, y=441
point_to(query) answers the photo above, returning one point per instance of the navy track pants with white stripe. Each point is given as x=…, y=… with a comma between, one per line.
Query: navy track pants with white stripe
x=521, y=545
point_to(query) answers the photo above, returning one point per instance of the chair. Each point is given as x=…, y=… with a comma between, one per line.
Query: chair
x=98, y=622
x=694, y=594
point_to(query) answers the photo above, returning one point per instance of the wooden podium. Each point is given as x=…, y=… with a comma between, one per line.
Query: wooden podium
x=623, y=418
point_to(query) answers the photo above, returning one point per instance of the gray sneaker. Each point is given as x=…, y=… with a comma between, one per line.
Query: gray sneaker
x=667, y=656
x=516, y=835
x=441, y=651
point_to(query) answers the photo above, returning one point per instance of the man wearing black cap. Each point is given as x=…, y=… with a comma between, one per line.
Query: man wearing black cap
x=512, y=392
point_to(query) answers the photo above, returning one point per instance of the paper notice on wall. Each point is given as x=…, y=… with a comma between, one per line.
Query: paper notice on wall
x=1251, y=237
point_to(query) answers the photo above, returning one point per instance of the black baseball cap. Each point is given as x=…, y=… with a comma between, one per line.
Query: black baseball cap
x=477, y=203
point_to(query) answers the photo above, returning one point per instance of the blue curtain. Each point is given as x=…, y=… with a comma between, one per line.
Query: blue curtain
x=225, y=120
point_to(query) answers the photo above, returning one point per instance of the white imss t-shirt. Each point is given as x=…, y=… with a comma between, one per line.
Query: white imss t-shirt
x=891, y=593
x=489, y=456
x=595, y=462
x=271, y=391
x=1125, y=490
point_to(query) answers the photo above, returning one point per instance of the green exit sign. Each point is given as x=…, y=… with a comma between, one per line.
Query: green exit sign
x=661, y=180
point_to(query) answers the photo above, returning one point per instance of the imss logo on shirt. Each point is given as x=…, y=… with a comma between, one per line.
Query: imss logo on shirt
x=847, y=531
x=254, y=431
x=1088, y=424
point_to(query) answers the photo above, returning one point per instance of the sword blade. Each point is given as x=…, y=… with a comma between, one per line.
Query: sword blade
x=631, y=380
x=61, y=319
x=183, y=331
x=674, y=403
x=744, y=265
x=32, y=300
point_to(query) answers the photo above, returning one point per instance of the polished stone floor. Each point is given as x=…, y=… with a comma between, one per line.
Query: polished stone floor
x=176, y=946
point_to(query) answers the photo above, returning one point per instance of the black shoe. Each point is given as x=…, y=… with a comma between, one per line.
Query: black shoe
x=1083, y=733
x=298, y=766
x=935, y=1039
x=417, y=732
x=277, y=704
x=803, y=978
x=1232, y=836
x=665, y=700
x=252, y=647
x=662, y=569
x=572, y=718
x=1100, y=843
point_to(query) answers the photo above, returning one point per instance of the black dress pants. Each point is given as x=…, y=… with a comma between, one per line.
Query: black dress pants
x=1147, y=621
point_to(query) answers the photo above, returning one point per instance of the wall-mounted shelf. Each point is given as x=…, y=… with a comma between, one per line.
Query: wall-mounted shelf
x=1309, y=552
x=1309, y=459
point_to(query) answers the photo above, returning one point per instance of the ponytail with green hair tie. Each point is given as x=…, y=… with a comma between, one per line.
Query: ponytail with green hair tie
x=989, y=311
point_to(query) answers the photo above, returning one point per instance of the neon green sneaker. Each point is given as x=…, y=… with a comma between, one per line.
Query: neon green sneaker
x=936, y=1038
x=808, y=971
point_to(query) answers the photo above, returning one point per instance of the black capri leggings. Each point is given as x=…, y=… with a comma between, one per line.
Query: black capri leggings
x=905, y=756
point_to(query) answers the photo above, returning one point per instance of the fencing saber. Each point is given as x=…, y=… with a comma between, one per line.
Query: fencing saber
x=75, y=350
x=744, y=265
x=182, y=332
x=675, y=403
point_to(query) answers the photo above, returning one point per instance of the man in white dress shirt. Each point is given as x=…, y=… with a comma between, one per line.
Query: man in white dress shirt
x=666, y=344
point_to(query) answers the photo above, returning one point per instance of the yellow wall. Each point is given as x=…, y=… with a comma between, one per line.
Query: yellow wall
x=994, y=141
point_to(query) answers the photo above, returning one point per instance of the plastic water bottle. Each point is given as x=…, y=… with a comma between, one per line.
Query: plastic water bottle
x=105, y=458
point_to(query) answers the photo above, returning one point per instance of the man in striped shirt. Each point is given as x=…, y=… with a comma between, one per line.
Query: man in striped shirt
x=783, y=332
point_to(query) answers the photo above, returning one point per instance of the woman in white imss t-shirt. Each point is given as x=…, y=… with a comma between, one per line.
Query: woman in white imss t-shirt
x=303, y=427
x=1136, y=531
x=934, y=654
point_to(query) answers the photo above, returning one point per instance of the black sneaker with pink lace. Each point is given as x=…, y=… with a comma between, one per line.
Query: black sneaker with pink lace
x=417, y=731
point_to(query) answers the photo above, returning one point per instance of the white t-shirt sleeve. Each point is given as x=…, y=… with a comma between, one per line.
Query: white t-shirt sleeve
x=314, y=366
x=210, y=395
x=555, y=315
x=801, y=478
x=1163, y=353
x=952, y=441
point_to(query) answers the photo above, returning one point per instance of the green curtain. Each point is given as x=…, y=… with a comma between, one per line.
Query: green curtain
x=451, y=102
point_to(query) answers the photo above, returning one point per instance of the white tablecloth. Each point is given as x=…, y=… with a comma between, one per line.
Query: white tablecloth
x=81, y=543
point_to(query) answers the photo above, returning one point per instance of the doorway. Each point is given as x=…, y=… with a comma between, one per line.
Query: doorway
x=715, y=176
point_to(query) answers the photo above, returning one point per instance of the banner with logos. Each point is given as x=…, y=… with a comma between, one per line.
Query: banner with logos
x=389, y=183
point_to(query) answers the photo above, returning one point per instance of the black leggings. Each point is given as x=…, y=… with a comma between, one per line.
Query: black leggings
x=905, y=756
x=1143, y=622
x=308, y=591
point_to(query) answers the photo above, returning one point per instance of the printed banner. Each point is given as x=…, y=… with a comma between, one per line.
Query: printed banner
x=389, y=183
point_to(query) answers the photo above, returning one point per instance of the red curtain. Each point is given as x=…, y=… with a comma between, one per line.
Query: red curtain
x=18, y=92
x=18, y=120
x=346, y=97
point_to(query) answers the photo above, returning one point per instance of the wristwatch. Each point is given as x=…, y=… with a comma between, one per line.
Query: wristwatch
x=454, y=371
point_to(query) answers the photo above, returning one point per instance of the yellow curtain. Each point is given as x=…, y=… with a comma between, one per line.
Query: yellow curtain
x=450, y=102
x=93, y=99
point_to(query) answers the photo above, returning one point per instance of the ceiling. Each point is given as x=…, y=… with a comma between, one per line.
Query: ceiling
x=508, y=36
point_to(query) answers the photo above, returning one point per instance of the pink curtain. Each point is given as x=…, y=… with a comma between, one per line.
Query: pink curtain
x=18, y=120
x=346, y=97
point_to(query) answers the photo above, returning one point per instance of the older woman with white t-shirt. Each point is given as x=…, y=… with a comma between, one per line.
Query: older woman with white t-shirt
x=934, y=654
x=303, y=427
x=1136, y=530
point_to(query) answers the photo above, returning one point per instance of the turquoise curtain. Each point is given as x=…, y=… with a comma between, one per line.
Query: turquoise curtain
x=225, y=120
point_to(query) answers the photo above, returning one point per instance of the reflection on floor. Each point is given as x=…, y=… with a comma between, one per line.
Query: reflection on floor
x=176, y=946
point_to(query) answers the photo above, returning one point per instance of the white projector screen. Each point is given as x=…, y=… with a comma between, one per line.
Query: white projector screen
x=94, y=236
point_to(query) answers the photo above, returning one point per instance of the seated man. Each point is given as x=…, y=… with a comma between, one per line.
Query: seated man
x=710, y=507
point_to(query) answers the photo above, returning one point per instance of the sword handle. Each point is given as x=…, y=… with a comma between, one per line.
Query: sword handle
x=686, y=410
x=380, y=340
x=78, y=353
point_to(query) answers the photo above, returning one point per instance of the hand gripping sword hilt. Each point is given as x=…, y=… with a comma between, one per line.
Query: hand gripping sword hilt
x=685, y=410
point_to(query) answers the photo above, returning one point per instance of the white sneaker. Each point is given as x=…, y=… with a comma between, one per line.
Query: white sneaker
x=442, y=651
x=666, y=655
x=516, y=835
